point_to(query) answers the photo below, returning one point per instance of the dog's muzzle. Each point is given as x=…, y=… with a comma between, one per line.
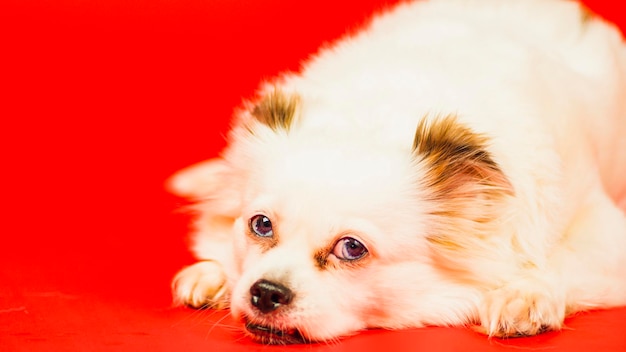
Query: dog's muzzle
x=268, y=297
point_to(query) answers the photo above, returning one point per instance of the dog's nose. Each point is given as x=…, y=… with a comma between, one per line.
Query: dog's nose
x=268, y=296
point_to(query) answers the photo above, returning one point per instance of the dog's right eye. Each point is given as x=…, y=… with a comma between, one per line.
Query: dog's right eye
x=261, y=226
x=349, y=249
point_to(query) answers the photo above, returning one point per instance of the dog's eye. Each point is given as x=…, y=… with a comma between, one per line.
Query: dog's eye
x=348, y=248
x=261, y=226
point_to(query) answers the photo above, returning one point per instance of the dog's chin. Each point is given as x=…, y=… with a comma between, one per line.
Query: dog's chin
x=271, y=335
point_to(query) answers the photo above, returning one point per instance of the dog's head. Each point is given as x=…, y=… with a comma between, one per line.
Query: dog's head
x=333, y=235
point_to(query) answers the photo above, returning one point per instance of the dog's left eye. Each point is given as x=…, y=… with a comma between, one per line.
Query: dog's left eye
x=349, y=249
x=261, y=226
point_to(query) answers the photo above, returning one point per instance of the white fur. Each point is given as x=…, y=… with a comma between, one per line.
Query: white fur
x=549, y=91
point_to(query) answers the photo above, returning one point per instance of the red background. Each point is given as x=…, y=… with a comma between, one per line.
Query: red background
x=101, y=101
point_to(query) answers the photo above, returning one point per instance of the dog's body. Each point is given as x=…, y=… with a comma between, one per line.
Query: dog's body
x=329, y=213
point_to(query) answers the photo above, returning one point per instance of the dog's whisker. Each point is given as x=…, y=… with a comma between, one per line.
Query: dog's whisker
x=218, y=324
x=195, y=316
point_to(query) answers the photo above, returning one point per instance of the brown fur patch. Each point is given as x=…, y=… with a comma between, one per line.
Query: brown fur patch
x=264, y=243
x=464, y=183
x=586, y=15
x=321, y=258
x=277, y=110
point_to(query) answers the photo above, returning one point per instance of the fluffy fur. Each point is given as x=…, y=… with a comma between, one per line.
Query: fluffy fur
x=454, y=163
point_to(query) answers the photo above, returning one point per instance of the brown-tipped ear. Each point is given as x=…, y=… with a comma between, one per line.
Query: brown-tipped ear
x=457, y=162
x=277, y=110
x=463, y=184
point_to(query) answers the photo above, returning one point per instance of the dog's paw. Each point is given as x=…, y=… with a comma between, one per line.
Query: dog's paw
x=524, y=309
x=201, y=285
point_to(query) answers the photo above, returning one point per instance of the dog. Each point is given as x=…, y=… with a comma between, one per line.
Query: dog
x=454, y=163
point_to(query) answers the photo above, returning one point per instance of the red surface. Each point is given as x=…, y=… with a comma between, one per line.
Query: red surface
x=100, y=102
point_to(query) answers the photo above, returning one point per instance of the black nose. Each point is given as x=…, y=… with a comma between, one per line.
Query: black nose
x=268, y=296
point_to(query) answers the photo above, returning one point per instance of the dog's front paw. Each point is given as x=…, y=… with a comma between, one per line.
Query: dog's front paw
x=201, y=285
x=524, y=309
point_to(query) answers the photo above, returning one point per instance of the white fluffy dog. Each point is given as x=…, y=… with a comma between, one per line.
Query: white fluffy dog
x=454, y=163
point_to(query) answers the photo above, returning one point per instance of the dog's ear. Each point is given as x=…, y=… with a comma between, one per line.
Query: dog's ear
x=199, y=180
x=457, y=161
x=276, y=110
x=462, y=182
